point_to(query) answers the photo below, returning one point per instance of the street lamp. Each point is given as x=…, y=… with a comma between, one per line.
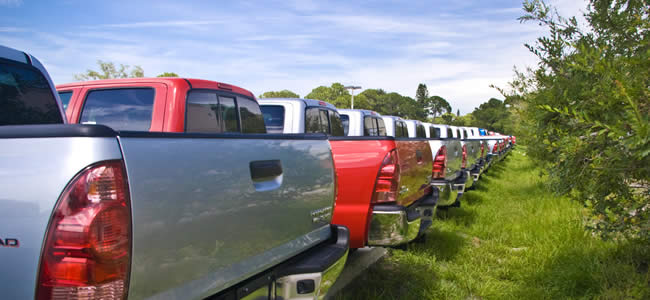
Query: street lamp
x=352, y=88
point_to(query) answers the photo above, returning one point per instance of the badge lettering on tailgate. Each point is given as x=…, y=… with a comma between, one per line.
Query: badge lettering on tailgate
x=10, y=243
x=321, y=215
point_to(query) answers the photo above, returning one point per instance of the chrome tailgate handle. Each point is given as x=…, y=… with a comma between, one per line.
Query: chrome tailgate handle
x=264, y=170
x=266, y=174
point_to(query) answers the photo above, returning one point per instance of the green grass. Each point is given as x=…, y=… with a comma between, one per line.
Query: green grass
x=510, y=239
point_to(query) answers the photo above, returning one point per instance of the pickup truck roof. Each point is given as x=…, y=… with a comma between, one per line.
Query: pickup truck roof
x=416, y=129
x=446, y=131
x=358, y=126
x=192, y=82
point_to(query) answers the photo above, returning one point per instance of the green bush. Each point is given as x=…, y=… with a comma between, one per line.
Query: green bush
x=586, y=109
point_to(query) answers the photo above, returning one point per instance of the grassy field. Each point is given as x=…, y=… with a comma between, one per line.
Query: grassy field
x=510, y=239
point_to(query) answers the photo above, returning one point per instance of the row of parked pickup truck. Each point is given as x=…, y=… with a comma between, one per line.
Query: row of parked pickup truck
x=173, y=188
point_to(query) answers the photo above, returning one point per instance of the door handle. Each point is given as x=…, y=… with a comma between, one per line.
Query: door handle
x=264, y=170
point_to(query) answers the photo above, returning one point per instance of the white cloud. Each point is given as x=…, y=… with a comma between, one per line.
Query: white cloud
x=458, y=57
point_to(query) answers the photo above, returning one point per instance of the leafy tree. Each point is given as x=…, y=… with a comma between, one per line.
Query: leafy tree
x=280, y=94
x=337, y=95
x=168, y=74
x=437, y=105
x=392, y=104
x=107, y=70
x=587, y=105
x=492, y=115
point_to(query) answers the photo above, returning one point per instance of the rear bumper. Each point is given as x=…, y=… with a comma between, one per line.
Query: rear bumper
x=469, y=179
x=393, y=225
x=309, y=275
x=322, y=266
x=447, y=191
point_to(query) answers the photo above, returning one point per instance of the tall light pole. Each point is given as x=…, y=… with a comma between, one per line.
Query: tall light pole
x=352, y=88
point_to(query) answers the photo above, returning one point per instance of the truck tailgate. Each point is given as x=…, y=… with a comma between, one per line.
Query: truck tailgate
x=416, y=163
x=36, y=164
x=202, y=223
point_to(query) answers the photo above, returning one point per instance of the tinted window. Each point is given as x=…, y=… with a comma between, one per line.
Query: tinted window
x=465, y=133
x=202, y=113
x=120, y=109
x=337, y=124
x=251, y=116
x=369, y=126
x=313, y=122
x=273, y=118
x=228, y=114
x=324, y=121
x=400, y=129
x=458, y=133
x=65, y=99
x=450, y=133
x=434, y=133
x=345, y=120
x=26, y=97
x=420, y=131
x=381, y=127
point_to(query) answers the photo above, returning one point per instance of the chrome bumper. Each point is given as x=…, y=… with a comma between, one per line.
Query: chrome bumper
x=290, y=287
x=469, y=181
x=447, y=192
x=392, y=225
x=309, y=276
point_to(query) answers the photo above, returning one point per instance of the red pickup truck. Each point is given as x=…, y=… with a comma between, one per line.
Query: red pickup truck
x=384, y=196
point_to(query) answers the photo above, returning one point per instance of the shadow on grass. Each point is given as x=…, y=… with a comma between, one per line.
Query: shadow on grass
x=444, y=245
x=586, y=272
x=389, y=280
x=457, y=214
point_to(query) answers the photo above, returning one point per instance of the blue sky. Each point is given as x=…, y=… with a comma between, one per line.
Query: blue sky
x=457, y=48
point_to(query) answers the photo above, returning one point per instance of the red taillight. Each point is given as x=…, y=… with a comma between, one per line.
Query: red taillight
x=464, y=165
x=87, y=251
x=387, y=184
x=440, y=163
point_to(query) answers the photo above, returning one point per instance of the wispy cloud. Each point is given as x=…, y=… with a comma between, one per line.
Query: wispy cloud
x=11, y=3
x=458, y=51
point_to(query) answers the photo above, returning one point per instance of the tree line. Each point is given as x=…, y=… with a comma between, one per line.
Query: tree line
x=492, y=115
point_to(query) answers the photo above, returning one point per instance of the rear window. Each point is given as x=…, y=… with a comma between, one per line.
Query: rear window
x=434, y=133
x=373, y=126
x=120, y=109
x=345, y=120
x=381, y=127
x=400, y=129
x=65, y=99
x=420, y=131
x=369, y=126
x=318, y=120
x=26, y=97
x=251, y=116
x=337, y=124
x=273, y=118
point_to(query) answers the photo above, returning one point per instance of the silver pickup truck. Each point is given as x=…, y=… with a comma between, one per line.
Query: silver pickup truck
x=448, y=174
x=93, y=213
